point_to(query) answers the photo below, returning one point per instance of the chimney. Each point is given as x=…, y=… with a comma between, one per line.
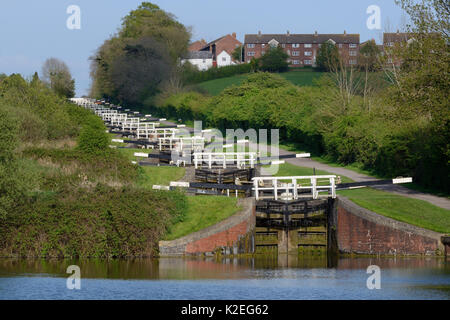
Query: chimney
x=259, y=33
x=287, y=33
x=233, y=35
x=398, y=31
x=316, y=34
x=345, y=33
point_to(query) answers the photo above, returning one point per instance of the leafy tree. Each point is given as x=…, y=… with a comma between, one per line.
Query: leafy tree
x=3, y=76
x=369, y=56
x=239, y=54
x=328, y=57
x=148, y=21
x=57, y=76
x=139, y=72
x=274, y=60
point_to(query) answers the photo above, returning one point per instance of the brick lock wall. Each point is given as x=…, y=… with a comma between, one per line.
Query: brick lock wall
x=222, y=239
x=358, y=235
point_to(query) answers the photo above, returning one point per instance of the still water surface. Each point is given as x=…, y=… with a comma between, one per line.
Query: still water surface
x=277, y=277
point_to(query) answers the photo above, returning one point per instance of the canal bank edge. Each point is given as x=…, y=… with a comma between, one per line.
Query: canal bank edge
x=352, y=229
x=362, y=231
x=233, y=235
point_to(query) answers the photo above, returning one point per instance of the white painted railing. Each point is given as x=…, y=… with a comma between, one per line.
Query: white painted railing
x=240, y=159
x=289, y=187
x=195, y=143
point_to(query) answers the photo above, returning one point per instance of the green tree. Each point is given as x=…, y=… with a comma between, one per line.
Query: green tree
x=369, y=56
x=274, y=60
x=327, y=57
x=57, y=76
x=238, y=54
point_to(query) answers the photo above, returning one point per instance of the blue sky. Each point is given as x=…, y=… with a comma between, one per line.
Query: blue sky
x=32, y=31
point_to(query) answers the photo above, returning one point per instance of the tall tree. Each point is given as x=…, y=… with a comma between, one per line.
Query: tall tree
x=327, y=57
x=57, y=76
x=274, y=60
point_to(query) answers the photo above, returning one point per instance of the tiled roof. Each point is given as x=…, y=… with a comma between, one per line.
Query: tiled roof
x=301, y=38
x=395, y=36
x=198, y=55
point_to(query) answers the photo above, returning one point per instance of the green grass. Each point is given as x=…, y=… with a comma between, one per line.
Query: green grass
x=160, y=176
x=202, y=212
x=129, y=153
x=299, y=78
x=416, y=212
x=288, y=169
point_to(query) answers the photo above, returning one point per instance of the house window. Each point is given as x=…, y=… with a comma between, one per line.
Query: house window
x=204, y=60
x=263, y=45
x=389, y=60
x=250, y=53
x=283, y=45
x=352, y=53
x=295, y=45
x=308, y=53
x=340, y=45
x=295, y=53
x=224, y=59
x=308, y=62
x=295, y=62
x=352, y=45
x=262, y=52
x=390, y=44
x=308, y=45
x=352, y=62
x=250, y=45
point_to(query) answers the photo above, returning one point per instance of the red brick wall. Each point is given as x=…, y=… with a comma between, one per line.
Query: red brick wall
x=221, y=239
x=343, y=50
x=359, y=235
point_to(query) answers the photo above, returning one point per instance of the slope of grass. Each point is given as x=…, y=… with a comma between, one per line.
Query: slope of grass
x=202, y=212
x=299, y=78
x=160, y=175
x=416, y=212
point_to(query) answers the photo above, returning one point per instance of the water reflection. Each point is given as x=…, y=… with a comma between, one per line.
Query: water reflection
x=211, y=268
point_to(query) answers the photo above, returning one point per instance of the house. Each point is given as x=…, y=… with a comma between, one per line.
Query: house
x=203, y=60
x=302, y=48
x=390, y=39
x=227, y=43
x=197, y=45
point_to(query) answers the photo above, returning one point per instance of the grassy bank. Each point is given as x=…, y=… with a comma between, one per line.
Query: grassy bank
x=202, y=212
x=416, y=212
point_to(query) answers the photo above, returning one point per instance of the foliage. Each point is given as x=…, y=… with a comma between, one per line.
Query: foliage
x=239, y=54
x=57, y=76
x=193, y=75
x=274, y=60
x=369, y=56
x=327, y=57
x=133, y=65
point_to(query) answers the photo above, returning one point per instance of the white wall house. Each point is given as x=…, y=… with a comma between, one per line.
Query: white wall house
x=224, y=59
x=203, y=60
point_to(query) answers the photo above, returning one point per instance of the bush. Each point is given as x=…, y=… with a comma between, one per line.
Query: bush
x=93, y=138
x=193, y=76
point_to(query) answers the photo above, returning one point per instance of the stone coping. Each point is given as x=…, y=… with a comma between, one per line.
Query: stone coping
x=363, y=213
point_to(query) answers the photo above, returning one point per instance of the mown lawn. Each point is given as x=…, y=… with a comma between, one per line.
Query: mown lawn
x=299, y=78
x=416, y=212
x=202, y=212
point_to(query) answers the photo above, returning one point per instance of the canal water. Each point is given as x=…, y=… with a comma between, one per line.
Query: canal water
x=274, y=277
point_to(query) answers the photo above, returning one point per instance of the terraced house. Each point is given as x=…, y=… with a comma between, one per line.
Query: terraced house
x=302, y=48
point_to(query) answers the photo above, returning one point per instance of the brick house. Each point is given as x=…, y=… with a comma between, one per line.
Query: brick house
x=302, y=48
x=390, y=39
x=226, y=43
